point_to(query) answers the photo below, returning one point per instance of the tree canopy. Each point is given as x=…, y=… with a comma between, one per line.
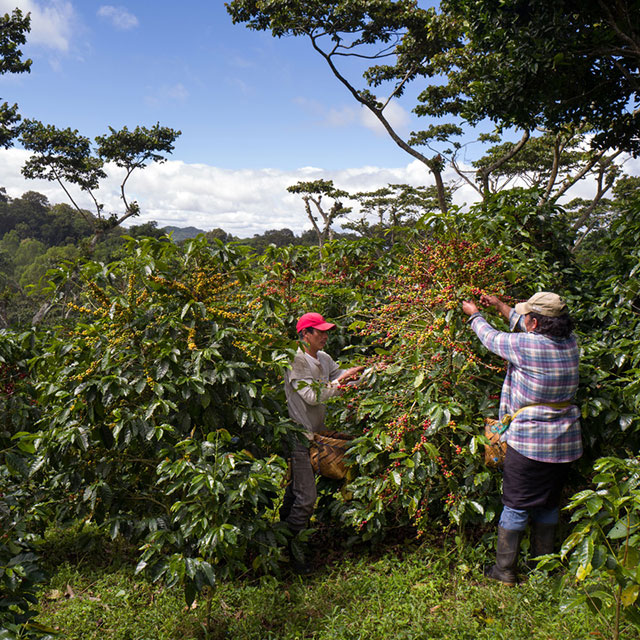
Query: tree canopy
x=13, y=29
x=545, y=63
x=66, y=157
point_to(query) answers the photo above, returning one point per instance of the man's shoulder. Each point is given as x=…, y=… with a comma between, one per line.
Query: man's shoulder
x=539, y=342
x=323, y=356
x=299, y=364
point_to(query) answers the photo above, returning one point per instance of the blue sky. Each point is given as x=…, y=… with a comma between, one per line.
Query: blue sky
x=256, y=113
x=241, y=98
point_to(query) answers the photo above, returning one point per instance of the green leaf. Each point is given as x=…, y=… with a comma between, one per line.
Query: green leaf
x=583, y=571
x=16, y=464
x=594, y=504
x=190, y=592
x=141, y=566
x=621, y=529
x=477, y=507
x=625, y=421
x=629, y=594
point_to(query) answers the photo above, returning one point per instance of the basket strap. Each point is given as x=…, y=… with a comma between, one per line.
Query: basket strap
x=507, y=419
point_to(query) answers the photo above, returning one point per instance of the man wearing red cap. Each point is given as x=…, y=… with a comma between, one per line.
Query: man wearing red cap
x=314, y=377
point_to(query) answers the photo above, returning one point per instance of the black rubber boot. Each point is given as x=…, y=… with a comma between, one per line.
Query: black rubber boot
x=297, y=559
x=507, y=548
x=543, y=537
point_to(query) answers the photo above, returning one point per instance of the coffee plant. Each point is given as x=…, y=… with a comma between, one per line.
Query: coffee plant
x=419, y=411
x=155, y=409
x=159, y=397
x=602, y=553
x=20, y=574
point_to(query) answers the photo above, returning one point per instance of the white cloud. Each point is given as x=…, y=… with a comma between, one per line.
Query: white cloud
x=119, y=17
x=242, y=202
x=397, y=116
x=167, y=93
x=341, y=117
x=348, y=115
x=51, y=22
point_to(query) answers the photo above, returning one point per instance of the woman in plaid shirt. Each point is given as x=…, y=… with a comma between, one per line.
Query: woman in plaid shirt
x=544, y=437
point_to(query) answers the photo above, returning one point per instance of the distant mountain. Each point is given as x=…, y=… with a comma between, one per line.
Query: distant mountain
x=182, y=233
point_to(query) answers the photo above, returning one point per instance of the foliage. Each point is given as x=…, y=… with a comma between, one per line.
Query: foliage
x=607, y=305
x=36, y=237
x=20, y=574
x=32, y=216
x=420, y=409
x=160, y=397
x=66, y=157
x=160, y=407
x=13, y=29
x=552, y=162
x=553, y=64
x=388, y=210
x=603, y=551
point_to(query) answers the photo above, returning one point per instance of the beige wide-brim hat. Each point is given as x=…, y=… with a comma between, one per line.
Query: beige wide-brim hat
x=545, y=303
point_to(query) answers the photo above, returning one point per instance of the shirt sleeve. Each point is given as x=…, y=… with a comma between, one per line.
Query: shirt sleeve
x=516, y=322
x=334, y=370
x=501, y=343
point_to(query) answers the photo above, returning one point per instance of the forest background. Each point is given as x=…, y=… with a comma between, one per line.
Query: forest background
x=141, y=376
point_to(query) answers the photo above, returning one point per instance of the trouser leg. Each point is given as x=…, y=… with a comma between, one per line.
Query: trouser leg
x=297, y=505
x=543, y=531
x=514, y=519
x=300, y=495
x=287, y=501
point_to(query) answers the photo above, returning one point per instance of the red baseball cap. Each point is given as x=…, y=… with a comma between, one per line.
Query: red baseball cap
x=314, y=320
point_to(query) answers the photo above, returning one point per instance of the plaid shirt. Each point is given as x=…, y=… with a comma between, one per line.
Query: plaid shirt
x=541, y=370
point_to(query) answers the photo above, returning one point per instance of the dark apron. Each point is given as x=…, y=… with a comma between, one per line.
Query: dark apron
x=530, y=483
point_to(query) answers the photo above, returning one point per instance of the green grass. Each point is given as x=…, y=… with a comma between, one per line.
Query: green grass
x=398, y=592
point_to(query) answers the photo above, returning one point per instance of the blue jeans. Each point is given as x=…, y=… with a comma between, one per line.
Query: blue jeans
x=516, y=519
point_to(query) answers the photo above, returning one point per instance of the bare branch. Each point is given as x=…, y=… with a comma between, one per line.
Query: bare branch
x=462, y=174
x=483, y=174
x=554, y=169
x=434, y=165
x=571, y=180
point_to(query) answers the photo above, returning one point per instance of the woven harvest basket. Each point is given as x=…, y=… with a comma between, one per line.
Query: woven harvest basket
x=495, y=451
x=327, y=453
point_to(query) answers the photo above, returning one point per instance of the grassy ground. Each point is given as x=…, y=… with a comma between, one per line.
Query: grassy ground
x=400, y=591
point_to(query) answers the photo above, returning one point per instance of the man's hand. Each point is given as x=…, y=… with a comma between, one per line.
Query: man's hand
x=490, y=301
x=496, y=303
x=350, y=374
x=469, y=307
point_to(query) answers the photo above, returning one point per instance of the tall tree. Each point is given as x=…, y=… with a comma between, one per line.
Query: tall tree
x=550, y=162
x=13, y=30
x=548, y=63
x=384, y=211
x=312, y=194
x=66, y=157
x=561, y=65
x=370, y=31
